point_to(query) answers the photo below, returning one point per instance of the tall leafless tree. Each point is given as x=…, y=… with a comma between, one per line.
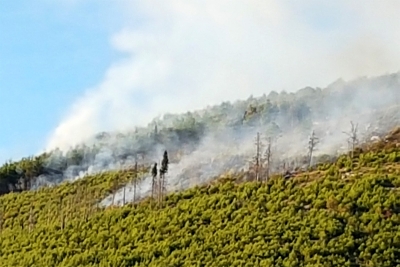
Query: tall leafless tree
x=312, y=142
x=123, y=195
x=115, y=187
x=257, y=158
x=352, y=137
x=268, y=158
x=135, y=179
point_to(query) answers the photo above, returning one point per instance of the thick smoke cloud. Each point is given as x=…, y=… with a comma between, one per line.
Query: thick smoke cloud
x=187, y=55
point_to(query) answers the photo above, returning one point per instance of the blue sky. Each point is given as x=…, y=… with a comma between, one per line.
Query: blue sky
x=66, y=63
x=49, y=54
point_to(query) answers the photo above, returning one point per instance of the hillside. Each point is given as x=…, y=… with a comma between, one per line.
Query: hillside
x=200, y=133
x=61, y=208
x=224, y=134
x=341, y=214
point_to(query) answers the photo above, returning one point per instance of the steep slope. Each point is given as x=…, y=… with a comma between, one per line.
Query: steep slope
x=341, y=214
x=371, y=102
x=58, y=204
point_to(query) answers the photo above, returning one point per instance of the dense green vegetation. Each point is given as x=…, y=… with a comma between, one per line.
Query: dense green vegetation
x=342, y=214
x=62, y=202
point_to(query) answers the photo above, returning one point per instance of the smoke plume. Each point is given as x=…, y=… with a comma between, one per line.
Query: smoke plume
x=187, y=55
x=184, y=56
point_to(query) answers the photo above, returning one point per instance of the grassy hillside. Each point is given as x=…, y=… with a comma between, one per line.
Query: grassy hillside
x=342, y=214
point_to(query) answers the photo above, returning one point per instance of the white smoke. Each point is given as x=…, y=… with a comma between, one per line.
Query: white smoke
x=226, y=151
x=184, y=55
x=187, y=55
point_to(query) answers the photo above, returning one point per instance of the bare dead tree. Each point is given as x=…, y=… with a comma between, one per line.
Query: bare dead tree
x=115, y=186
x=123, y=196
x=135, y=179
x=257, y=157
x=284, y=164
x=352, y=137
x=268, y=157
x=312, y=142
x=138, y=187
x=159, y=186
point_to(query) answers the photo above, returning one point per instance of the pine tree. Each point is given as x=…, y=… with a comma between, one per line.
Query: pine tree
x=153, y=181
x=163, y=172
